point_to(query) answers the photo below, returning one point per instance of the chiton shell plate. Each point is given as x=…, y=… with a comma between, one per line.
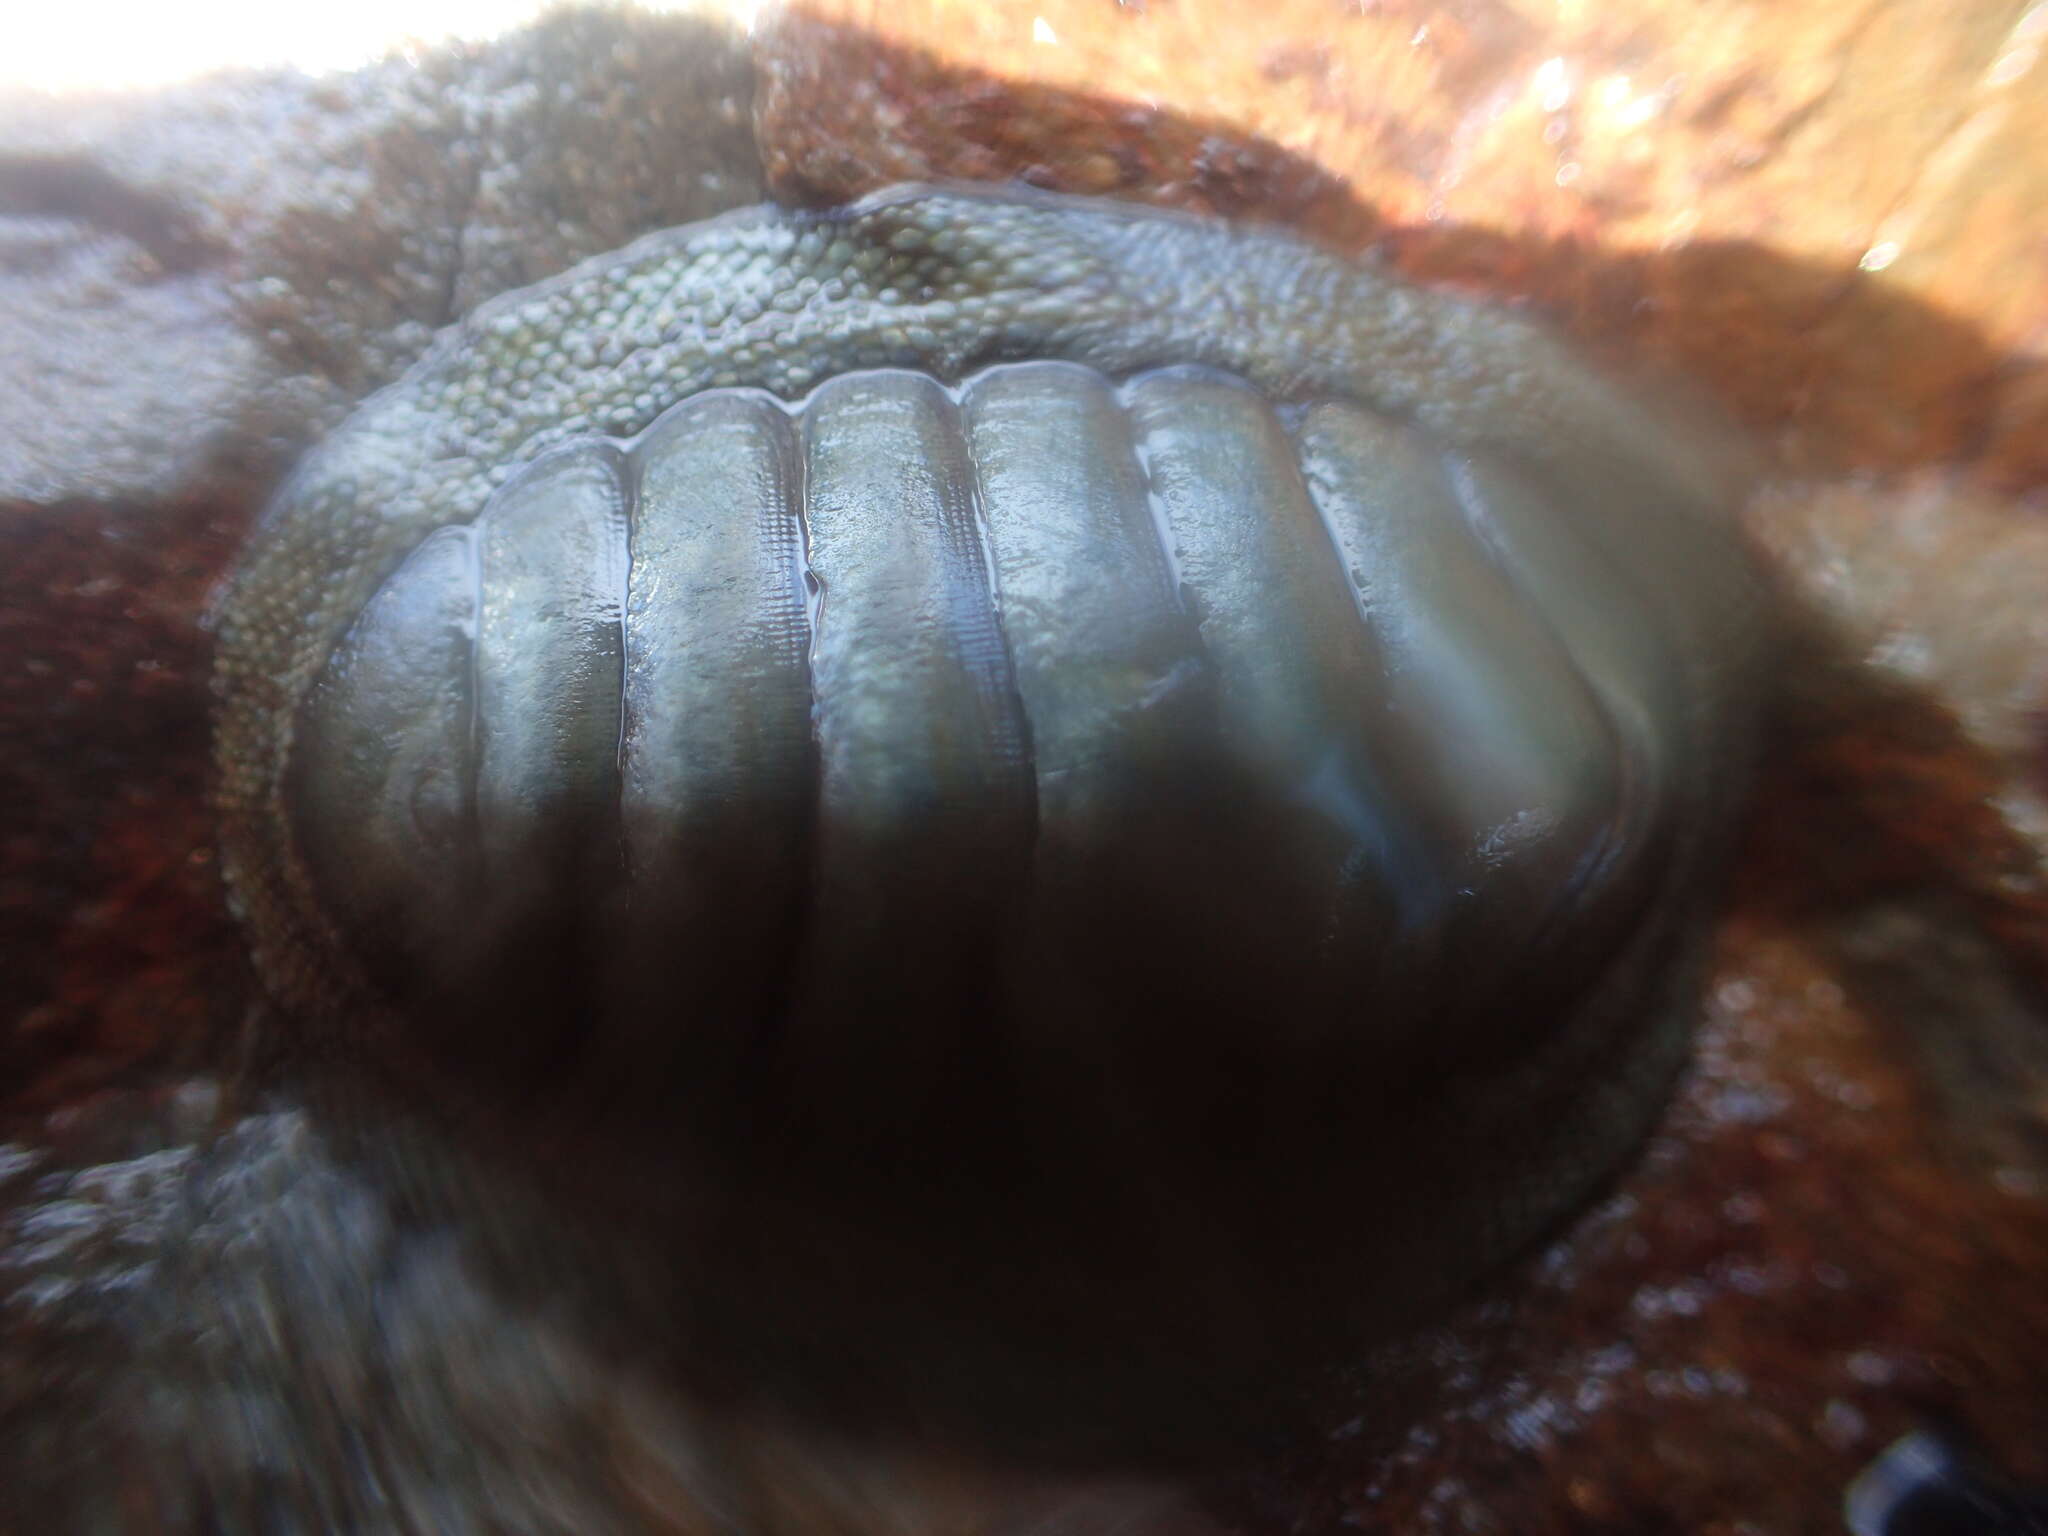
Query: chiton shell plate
x=1174, y=725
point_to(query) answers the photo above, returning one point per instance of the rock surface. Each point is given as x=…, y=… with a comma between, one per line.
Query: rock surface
x=1824, y=218
x=204, y=278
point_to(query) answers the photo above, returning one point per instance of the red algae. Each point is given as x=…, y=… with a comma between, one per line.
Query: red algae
x=1803, y=1267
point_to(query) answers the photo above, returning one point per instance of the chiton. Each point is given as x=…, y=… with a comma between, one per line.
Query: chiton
x=1119, y=798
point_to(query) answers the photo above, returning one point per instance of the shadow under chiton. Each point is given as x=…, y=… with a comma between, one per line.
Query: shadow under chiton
x=1114, y=799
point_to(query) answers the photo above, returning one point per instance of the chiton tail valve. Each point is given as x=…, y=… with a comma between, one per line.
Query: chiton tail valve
x=1122, y=800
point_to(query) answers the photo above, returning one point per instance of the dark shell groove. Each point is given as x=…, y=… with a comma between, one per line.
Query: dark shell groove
x=1057, y=727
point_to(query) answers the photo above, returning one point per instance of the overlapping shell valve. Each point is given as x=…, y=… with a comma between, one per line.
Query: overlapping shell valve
x=979, y=704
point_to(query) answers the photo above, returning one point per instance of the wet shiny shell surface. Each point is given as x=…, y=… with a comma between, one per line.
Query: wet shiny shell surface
x=1036, y=749
x=907, y=673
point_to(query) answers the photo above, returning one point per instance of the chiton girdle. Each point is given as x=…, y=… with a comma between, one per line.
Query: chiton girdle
x=1179, y=728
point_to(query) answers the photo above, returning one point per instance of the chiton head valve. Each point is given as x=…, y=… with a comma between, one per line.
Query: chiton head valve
x=1120, y=799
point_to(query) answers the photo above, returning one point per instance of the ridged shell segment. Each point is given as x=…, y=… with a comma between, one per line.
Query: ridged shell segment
x=1099, y=799
x=905, y=668
x=944, y=282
